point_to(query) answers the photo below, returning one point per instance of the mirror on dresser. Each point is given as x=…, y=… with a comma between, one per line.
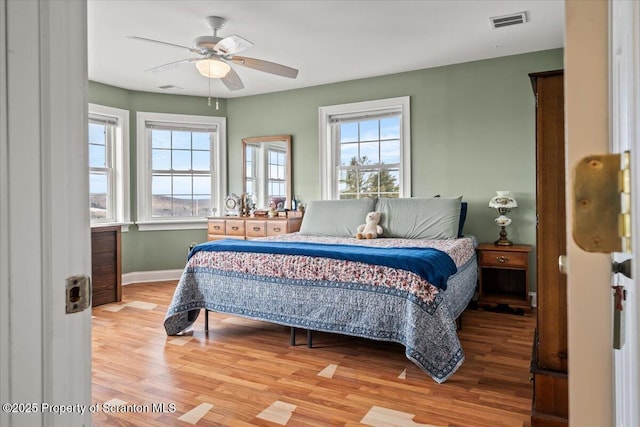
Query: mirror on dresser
x=266, y=171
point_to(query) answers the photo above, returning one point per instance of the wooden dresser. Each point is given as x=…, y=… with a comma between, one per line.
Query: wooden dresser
x=237, y=227
x=106, y=265
x=550, y=355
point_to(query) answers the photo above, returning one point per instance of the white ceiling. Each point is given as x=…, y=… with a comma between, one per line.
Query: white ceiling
x=327, y=41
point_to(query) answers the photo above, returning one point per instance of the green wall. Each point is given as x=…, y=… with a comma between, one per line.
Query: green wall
x=472, y=133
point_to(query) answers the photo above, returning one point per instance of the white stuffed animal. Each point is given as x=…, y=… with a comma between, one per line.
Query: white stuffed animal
x=370, y=229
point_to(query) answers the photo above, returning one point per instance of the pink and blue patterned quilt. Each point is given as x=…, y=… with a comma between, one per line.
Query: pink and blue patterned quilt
x=335, y=295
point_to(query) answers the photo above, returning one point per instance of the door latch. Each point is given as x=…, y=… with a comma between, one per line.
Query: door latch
x=602, y=203
x=78, y=293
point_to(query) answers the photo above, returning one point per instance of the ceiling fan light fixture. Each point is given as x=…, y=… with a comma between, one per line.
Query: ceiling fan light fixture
x=213, y=68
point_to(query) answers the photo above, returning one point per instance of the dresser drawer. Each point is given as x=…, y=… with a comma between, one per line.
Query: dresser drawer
x=503, y=259
x=216, y=226
x=235, y=227
x=256, y=228
x=275, y=228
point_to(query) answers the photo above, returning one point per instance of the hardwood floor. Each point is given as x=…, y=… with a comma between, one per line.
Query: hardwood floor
x=245, y=373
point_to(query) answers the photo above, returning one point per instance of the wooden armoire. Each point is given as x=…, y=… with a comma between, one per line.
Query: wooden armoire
x=550, y=405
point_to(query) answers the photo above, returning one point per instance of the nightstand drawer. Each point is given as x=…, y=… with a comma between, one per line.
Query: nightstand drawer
x=256, y=228
x=235, y=227
x=503, y=259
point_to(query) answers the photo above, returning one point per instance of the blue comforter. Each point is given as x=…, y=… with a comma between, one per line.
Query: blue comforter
x=431, y=264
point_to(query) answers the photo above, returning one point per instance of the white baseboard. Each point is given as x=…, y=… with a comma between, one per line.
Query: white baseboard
x=533, y=297
x=150, y=276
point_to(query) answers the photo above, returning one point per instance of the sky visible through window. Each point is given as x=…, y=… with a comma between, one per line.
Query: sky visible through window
x=370, y=158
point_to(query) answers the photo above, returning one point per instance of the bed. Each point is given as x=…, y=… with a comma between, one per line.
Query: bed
x=362, y=297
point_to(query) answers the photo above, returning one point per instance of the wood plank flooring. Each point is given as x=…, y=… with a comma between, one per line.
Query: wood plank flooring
x=245, y=373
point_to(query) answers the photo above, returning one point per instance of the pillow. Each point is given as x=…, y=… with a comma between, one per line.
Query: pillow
x=335, y=218
x=463, y=218
x=419, y=218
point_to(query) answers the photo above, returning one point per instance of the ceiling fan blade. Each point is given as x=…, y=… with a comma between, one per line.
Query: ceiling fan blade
x=190, y=49
x=232, y=80
x=232, y=44
x=266, y=66
x=170, y=65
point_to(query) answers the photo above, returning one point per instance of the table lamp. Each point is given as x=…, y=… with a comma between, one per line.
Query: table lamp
x=503, y=203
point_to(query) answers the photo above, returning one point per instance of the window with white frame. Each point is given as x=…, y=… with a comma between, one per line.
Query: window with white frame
x=277, y=175
x=180, y=170
x=365, y=149
x=108, y=139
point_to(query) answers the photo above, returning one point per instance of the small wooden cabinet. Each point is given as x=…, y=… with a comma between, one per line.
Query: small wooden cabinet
x=106, y=265
x=244, y=228
x=503, y=275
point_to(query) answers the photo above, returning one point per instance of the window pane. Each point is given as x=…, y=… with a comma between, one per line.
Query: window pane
x=369, y=130
x=348, y=132
x=369, y=153
x=160, y=138
x=98, y=187
x=161, y=205
x=182, y=206
x=348, y=154
x=370, y=182
x=160, y=184
x=202, y=205
x=181, y=140
x=201, y=160
x=390, y=180
x=182, y=185
x=96, y=133
x=202, y=185
x=390, y=128
x=390, y=151
x=201, y=140
x=97, y=156
x=160, y=159
x=181, y=159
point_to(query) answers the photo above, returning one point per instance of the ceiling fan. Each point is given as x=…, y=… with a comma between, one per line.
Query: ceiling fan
x=216, y=54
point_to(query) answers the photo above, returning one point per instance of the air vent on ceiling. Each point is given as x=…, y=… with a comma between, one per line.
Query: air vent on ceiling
x=168, y=87
x=506, y=20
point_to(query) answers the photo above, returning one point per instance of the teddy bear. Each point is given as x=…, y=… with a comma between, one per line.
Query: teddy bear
x=370, y=229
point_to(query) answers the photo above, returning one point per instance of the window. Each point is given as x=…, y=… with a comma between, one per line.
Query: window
x=277, y=176
x=365, y=149
x=108, y=165
x=180, y=172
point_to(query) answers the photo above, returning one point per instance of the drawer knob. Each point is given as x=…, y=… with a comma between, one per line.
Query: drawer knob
x=256, y=228
x=235, y=228
x=502, y=259
x=216, y=227
x=276, y=229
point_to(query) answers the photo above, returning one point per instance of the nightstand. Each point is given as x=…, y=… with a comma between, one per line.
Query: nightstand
x=503, y=275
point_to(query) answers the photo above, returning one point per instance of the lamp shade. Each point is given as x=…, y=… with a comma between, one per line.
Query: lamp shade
x=213, y=68
x=503, y=200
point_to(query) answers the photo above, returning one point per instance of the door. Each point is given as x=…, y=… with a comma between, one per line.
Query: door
x=625, y=135
x=45, y=354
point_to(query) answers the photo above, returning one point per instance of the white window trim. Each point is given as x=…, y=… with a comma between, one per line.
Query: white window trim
x=144, y=220
x=328, y=150
x=121, y=166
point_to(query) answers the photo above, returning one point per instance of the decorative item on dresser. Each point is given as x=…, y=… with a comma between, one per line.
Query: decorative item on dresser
x=550, y=406
x=106, y=265
x=251, y=227
x=503, y=275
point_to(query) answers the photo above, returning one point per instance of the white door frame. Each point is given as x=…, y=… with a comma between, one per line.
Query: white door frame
x=588, y=274
x=624, y=66
x=45, y=354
